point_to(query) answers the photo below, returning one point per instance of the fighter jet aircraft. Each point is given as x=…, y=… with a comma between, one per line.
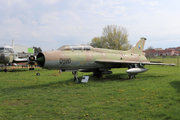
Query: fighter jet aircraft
x=9, y=55
x=99, y=61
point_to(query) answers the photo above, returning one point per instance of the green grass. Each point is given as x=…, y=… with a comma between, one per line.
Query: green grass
x=167, y=59
x=154, y=95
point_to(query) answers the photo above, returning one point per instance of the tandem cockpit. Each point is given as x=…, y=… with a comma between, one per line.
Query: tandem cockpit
x=76, y=47
x=6, y=49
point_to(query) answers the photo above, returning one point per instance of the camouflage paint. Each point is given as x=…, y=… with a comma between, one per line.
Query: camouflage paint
x=95, y=58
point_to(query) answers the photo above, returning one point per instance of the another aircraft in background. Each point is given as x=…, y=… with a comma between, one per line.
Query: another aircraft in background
x=99, y=61
x=9, y=55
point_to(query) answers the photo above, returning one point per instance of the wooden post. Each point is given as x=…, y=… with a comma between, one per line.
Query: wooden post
x=177, y=61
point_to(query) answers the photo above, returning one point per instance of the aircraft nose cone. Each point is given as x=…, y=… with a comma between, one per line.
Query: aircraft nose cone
x=2, y=58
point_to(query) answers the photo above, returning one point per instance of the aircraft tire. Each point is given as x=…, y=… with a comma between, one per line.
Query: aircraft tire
x=77, y=81
x=97, y=74
x=132, y=76
x=5, y=70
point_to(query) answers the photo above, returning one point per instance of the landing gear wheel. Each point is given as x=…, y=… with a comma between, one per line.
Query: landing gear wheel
x=75, y=77
x=132, y=76
x=31, y=68
x=97, y=74
x=5, y=70
x=77, y=81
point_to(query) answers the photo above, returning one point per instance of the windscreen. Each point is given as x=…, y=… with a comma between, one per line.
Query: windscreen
x=1, y=50
x=8, y=50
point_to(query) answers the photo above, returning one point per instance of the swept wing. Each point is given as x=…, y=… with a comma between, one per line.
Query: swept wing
x=130, y=62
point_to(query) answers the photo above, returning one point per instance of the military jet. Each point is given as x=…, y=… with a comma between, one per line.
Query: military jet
x=9, y=55
x=99, y=61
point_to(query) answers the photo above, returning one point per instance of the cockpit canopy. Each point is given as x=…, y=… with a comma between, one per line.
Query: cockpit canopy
x=6, y=49
x=76, y=47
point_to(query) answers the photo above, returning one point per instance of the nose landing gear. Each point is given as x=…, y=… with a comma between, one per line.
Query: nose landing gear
x=75, y=77
x=5, y=70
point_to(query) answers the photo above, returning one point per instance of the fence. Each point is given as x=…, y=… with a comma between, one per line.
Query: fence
x=167, y=59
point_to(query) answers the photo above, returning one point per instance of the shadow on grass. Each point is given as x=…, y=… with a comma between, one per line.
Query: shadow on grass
x=70, y=82
x=112, y=77
x=15, y=70
x=176, y=85
x=21, y=70
x=47, y=85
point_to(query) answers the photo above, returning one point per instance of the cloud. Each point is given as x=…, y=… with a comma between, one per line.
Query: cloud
x=50, y=1
x=78, y=21
x=35, y=34
x=154, y=3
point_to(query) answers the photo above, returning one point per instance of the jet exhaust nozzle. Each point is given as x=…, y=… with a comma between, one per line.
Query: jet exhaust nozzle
x=40, y=60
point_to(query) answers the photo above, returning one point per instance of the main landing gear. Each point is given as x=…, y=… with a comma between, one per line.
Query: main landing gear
x=75, y=77
x=31, y=68
x=132, y=76
x=97, y=73
x=5, y=70
x=134, y=70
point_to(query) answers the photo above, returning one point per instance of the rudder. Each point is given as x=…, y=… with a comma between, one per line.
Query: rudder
x=139, y=47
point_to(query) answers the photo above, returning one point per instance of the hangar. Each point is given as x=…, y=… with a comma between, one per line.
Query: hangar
x=22, y=50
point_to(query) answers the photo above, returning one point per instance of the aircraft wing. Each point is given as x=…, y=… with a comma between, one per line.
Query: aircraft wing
x=150, y=63
x=116, y=61
x=130, y=62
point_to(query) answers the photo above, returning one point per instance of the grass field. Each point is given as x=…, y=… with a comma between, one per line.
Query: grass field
x=167, y=59
x=154, y=95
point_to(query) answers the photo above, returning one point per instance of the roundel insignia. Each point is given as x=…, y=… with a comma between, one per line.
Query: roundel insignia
x=139, y=47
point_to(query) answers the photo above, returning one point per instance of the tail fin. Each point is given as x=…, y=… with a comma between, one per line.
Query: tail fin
x=138, y=48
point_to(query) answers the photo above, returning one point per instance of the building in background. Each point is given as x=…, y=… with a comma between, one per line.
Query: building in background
x=22, y=50
x=160, y=52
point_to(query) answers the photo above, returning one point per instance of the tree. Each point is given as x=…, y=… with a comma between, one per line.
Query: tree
x=149, y=55
x=97, y=42
x=113, y=37
x=37, y=50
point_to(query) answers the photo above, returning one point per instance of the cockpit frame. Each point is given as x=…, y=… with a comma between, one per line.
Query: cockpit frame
x=76, y=47
x=7, y=49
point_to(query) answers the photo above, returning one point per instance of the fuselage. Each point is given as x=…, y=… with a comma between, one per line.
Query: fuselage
x=7, y=54
x=84, y=57
x=99, y=61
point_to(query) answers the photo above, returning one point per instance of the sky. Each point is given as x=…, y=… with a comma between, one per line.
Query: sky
x=50, y=24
